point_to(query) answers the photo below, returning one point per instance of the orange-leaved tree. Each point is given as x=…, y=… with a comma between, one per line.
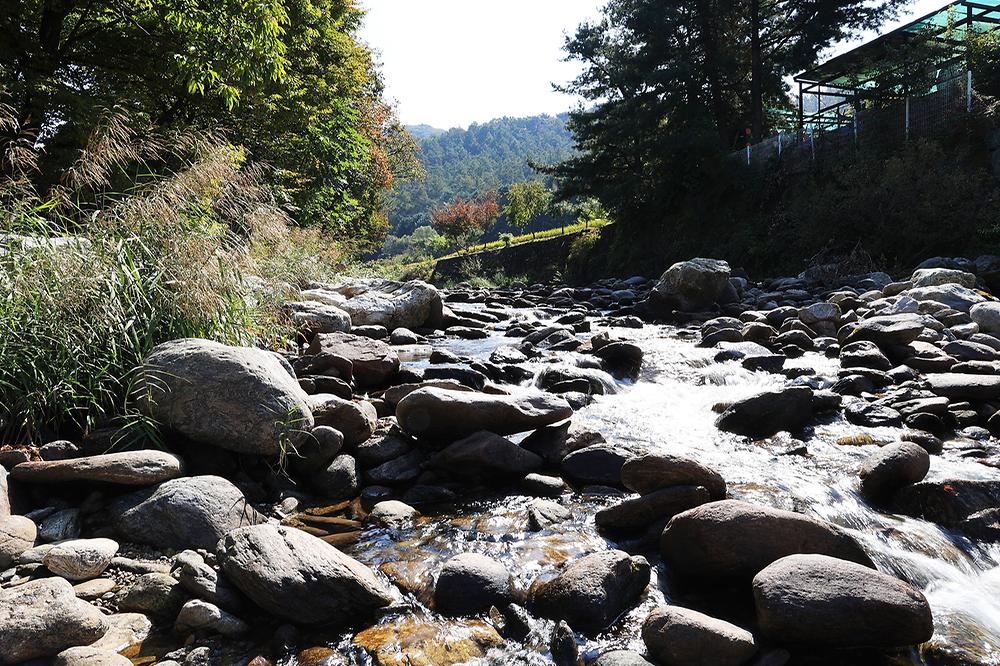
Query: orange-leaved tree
x=464, y=219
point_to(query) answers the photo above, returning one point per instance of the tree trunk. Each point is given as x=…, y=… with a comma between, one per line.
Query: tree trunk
x=756, y=74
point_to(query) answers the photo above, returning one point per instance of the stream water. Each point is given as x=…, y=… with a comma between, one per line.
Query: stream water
x=670, y=409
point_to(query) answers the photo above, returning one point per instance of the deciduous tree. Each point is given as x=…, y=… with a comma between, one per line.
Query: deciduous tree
x=526, y=201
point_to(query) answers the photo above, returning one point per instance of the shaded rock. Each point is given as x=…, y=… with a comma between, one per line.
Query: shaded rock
x=657, y=506
x=651, y=472
x=622, y=359
x=733, y=539
x=947, y=502
x=871, y=415
x=316, y=451
x=767, y=413
x=157, y=594
x=555, y=442
x=598, y=464
x=17, y=534
x=373, y=362
x=678, y=636
x=129, y=468
x=441, y=414
x=280, y=567
x=236, y=398
x=484, y=455
x=201, y=616
x=42, y=618
x=339, y=481
x=82, y=559
x=190, y=512
x=401, y=469
x=592, y=591
x=864, y=354
x=60, y=526
x=893, y=467
x=562, y=645
x=821, y=600
x=356, y=420
x=204, y=582
x=470, y=583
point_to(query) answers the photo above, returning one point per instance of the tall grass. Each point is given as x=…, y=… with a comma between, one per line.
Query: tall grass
x=194, y=246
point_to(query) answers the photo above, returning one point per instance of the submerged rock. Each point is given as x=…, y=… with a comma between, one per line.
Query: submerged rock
x=820, y=600
x=413, y=641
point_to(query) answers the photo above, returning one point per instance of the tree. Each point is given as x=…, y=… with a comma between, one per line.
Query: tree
x=464, y=219
x=525, y=202
x=286, y=79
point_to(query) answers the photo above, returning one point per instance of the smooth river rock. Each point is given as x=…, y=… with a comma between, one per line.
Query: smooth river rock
x=81, y=559
x=734, y=539
x=652, y=472
x=470, y=583
x=299, y=577
x=769, y=412
x=237, y=398
x=374, y=362
x=677, y=636
x=17, y=534
x=129, y=468
x=487, y=456
x=441, y=414
x=893, y=467
x=822, y=600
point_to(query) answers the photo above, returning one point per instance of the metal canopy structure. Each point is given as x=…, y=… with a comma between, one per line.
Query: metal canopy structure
x=921, y=58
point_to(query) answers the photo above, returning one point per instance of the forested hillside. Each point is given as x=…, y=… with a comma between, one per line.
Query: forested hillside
x=489, y=156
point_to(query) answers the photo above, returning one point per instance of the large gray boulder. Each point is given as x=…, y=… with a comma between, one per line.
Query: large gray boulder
x=413, y=304
x=958, y=386
x=470, y=583
x=236, y=398
x=318, y=317
x=191, y=512
x=487, y=456
x=769, y=412
x=987, y=315
x=17, y=534
x=886, y=331
x=300, y=578
x=953, y=295
x=934, y=277
x=677, y=636
x=822, y=600
x=42, y=618
x=374, y=362
x=128, y=468
x=441, y=414
x=733, y=539
x=691, y=285
x=592, y=591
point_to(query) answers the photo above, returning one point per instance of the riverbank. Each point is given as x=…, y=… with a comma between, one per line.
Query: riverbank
x=441, y=476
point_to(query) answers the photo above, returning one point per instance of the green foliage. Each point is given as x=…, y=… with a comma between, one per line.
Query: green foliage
x=488, y=156
x=525, y=202
x=984, y=60
x=424, y=243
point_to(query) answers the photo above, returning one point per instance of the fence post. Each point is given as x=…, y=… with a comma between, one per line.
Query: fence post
x=968, y=91
x=812, y=142
x=907, y=117
x=779, y=144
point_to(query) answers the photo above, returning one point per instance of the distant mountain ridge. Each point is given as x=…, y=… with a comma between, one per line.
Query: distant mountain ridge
x=487, y=156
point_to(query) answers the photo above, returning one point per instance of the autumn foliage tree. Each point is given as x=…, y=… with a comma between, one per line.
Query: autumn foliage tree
x=463, y=219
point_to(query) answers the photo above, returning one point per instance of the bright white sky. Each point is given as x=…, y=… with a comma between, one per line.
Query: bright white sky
x=449, y=63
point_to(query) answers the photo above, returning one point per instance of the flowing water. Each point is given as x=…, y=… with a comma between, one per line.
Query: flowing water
x=670, y=409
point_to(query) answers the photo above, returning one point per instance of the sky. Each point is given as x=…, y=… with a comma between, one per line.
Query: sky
x=449, y=63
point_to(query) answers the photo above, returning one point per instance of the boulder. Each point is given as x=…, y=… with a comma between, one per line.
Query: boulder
x=733, y=539
x=678, y=636
x=821, y=600
x=470, y=584
x=987, y=315
x=17, y=534
x=767, y=413
x=373, y=362
x=190, y=512
x=339, y=481
x=317, y=317
x=657, y=506
x=42, y=618
x=89, y=656
x=82, y=559
x=947, y=502
x=201, y=616
x=392, y=513
x=886, y=331
x=60, y=526
x=413, y=304
x=592, y=591
x=691, y=285
x=652, y=472
x=204, y=582
x=484, y=455
x=958, y=386
x=597, y=464
x=157, y=594
x=953, y=295
x=129, y=468
x=441, y=414
x=236, y=398
x=935, y=277
x=300, y=578
x=356, y=420
x=316, y=451
x=893, y=467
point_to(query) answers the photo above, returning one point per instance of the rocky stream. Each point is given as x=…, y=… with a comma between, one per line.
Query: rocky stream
x=697, y=470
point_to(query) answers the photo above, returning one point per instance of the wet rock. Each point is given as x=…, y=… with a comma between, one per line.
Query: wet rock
x=402, y=469
x=543, y=514
x=320, y=656
x=733, y=539
x=893, y=467
x=204, y=582
x=767, y=413
x=317, y=317
x=356, y=420
x=678, y=636
x=82, y=559
x=129, y=468
x=190, y=512
x=657, y=506
x=373, y=362
x=553, y=443
x=89, y=656
x=339, y=481
x=17, y=534
x=946, y=502
x=598, y=464
x=236, y=398
x=652, y=472
x=562, y=645
x=820, y=600
x=572, y=378
x=411, y=641
x=622, y=359
x=592, y=591
x=441, y=414
x=42, y=618
x=316, y=451
x=486, y=456
x=157, y=594
x=470, y=583
x=621, y=658
x=201, y=616
x=541, y=485
x=300, y=578
x=691, y=285
x=392, y=513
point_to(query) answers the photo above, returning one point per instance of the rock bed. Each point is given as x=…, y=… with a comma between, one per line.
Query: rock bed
x=492, y=476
